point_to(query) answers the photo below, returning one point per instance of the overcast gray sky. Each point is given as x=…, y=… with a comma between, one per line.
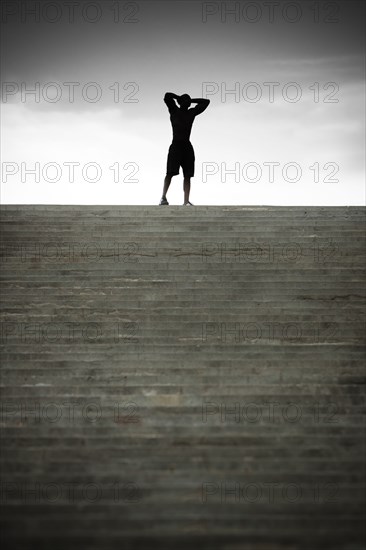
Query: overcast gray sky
x=290, y=148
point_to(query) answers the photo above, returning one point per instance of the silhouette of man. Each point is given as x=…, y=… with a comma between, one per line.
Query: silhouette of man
x=181, y=152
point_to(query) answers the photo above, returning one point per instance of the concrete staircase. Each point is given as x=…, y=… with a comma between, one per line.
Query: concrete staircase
x=183, y=377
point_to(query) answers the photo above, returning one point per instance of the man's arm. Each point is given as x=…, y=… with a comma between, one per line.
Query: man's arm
x=169, y=101
x=201, y=106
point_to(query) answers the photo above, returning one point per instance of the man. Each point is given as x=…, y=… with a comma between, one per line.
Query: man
x=181, y=152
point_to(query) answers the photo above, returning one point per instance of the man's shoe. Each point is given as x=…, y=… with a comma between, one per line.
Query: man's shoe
x=163, y=201
x=188, y=204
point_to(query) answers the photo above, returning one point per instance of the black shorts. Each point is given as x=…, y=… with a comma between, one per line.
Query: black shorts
x=181, y=154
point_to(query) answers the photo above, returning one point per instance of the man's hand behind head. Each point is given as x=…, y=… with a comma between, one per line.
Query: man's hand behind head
x=184, y=101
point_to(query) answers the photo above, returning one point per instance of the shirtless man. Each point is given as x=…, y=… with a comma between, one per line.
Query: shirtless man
x=181, y=152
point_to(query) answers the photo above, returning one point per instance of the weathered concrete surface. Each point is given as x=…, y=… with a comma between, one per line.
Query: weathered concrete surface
x=179, y=377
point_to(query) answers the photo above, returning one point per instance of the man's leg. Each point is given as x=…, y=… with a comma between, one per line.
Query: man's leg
x=167, y=180
x=172, y=168
x=188, y=170
x=187, y=188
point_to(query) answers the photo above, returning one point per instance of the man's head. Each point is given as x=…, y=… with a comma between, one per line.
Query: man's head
x=184, y=101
